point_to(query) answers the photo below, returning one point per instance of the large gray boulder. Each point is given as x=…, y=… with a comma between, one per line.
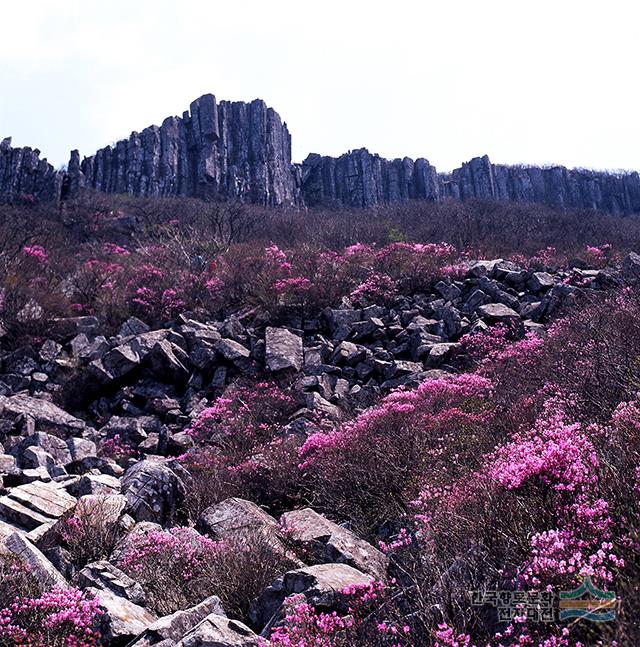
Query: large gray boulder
x=153, y=490
x=40, y=415
x=498, y=313
x=103, y=575
x=283, y=350
x=41, y=568
x=219, y=631
x=235, y=516
x=631, y=267
x=122, y=620
x=324, y=541
x=57, y=448
x=173, y=627
x=36, y=504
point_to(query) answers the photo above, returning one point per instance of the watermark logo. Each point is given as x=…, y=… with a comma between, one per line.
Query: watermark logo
x=585, y=602
x=588, y=602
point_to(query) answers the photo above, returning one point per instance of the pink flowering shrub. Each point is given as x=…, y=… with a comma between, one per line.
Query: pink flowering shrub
x=117, y=449
x=517, y=632
x=520, y=476
x=149, y=282
x=558, y=459
x=366, y=470
x=174, y=566
x=546, y=258
x=248, y=409
x=56, y=618
x=36, y=252
x=91, y=532
x=597, y=256
x=362, y=622
x=114, y=249
x=179, y=568
x=549, y=505
x=308, y=279
x=241, y=450
x=500, y=344
x=376, y=289
x=30, y=293
x=17, y=580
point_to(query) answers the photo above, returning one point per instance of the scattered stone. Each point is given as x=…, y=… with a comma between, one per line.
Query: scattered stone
x=153, y=491
x=233, y=516
x=497, y=313
x=219, y=631
x=34, y=504
x=105, y=576
x=173, y=627
x=283, y=350
x=122, y=619
x=43, y=570
x=43, y=415
x=326, y=542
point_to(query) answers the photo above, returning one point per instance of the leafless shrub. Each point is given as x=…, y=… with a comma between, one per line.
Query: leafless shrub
x=91, y=531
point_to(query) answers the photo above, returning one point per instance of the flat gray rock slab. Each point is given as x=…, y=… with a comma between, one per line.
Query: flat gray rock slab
x=44, y=571
x=35, y=504
x=283, y=350
x=220, y=631
x=328, y=542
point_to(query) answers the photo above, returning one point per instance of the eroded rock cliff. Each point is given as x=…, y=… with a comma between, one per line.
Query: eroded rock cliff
x=230, y=150
x=242, y=151
x=24, y=176
x=362, y=179
x=555, y=186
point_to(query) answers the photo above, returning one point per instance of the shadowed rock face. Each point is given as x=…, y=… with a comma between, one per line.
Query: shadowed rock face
x=242, y=151
x=556, y=186
x=361, y=179
x=24, y=175
x=236, y=150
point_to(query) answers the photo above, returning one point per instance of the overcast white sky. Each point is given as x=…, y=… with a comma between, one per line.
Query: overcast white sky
x=550, y=81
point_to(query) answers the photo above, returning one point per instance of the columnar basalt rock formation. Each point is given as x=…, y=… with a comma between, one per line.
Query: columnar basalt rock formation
x=242, y=151
x=231, y=150
x=23, y=175
x=361, y=179
x=555, y=186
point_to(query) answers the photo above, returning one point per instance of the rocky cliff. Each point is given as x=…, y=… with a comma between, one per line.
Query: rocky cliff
x=361, y=179
x=231, y=150
x=242, y=151
x=555, y=186
x=24, y=176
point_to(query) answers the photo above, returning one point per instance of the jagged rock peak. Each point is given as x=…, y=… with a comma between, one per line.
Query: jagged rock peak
x=555, y=186
x=361, y=179
x=229, y=150
x=24, y=176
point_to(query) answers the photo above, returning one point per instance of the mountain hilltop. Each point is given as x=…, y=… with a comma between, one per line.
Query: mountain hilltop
x=242, y=151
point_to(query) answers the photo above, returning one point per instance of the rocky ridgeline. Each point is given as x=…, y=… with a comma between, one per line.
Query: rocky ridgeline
x=242, y=151
x=228, y=150
x=23, y=173
x=146, y=386
x=237, y=151
x=361, y=179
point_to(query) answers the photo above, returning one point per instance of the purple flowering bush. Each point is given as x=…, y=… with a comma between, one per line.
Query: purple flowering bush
x=179, y=568
x=241, y=450
x=34, y=617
